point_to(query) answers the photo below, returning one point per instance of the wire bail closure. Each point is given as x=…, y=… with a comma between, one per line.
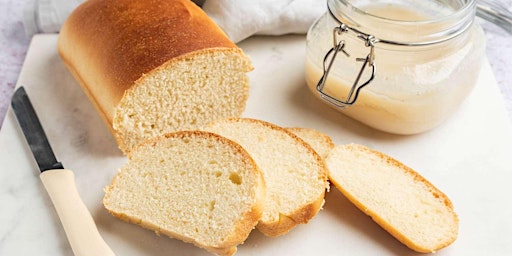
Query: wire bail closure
x=368, y=62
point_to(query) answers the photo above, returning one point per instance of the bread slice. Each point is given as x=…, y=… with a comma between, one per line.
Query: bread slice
x=195, y=186
x=295, y=175
x=153, y=66
x=396, y=197
x=319, y=141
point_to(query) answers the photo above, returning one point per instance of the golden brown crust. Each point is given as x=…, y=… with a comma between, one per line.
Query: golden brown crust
x=385, y=224
x=286, y=223
x=109, y=44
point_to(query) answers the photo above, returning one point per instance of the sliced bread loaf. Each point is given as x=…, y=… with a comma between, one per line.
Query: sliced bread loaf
x=295, y=175
x=319, y=141
x=196, y=186
x=396, y=197
x=153, y=66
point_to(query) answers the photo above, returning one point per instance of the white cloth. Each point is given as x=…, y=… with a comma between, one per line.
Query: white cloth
x=47, y=16
x=241, y=19
x=238, y=18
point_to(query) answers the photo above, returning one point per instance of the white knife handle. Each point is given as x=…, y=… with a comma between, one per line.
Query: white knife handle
x=83, y=236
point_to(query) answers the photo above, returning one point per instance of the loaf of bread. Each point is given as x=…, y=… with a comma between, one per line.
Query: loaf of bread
x=195, y=186
x=319, y=141
x=294, y=174
x=396, y=197
x=153, y=66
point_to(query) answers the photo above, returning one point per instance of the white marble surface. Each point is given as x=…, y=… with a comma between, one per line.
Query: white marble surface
x=14, y=44
x=468, y=158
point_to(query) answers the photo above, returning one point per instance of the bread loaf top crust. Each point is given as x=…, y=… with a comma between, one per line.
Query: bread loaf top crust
x=109, y=44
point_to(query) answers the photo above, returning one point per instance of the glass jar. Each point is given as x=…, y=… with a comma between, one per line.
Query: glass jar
x=400, y=66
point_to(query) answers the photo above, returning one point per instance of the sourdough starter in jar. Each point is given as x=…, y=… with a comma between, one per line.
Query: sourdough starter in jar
x=421, y=77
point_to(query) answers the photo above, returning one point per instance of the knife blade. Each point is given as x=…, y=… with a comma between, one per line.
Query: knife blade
x=79, y=226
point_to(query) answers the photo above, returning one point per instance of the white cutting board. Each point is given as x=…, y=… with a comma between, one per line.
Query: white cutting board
x=469, y=158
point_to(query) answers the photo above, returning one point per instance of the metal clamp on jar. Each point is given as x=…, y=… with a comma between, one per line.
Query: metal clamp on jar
x=429, y=54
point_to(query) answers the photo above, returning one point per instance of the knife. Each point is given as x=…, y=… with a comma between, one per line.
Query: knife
x=81, y=231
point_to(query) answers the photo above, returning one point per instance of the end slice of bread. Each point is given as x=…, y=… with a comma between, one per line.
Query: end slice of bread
x=195, y=186
x=295, y=175
x=319, y=141
x=396, y=197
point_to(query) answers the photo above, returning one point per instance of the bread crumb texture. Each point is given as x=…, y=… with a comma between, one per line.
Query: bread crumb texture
x=295, y=175
x=184, y=94
x=194, y=186
x=395, y=196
